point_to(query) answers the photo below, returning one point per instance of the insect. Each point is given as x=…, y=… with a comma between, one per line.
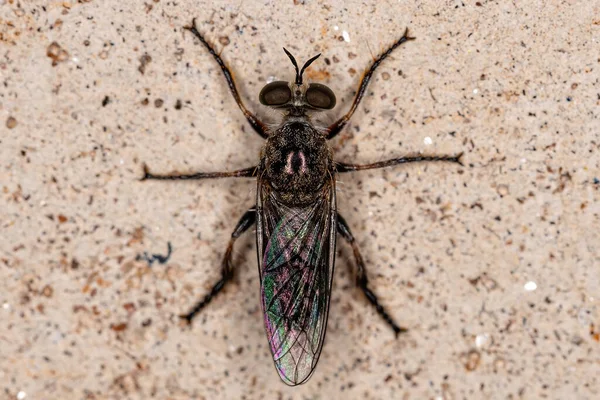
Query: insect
x=295, y=214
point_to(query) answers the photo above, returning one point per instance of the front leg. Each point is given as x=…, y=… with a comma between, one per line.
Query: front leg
x=256, y=124
x=343, y=167
x=337, y=126
x=361, y=279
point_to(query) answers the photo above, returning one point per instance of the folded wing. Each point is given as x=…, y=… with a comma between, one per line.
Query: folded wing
x=296, y=250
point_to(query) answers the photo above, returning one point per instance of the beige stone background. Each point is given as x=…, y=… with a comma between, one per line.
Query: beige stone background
x=494, y=266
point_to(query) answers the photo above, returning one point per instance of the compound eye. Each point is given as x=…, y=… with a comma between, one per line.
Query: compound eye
x=275, y=94
x=320, y=96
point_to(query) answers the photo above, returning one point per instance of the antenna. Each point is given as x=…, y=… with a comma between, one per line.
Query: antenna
x=306, y=64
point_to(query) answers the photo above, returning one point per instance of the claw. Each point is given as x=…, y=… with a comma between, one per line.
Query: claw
x=187, y=318
x=405, y=35
x=146, y=172
x=458, y=158
x=399, y=330
x=192, y=26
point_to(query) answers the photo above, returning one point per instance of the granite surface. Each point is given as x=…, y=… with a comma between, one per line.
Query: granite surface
x=494, y=267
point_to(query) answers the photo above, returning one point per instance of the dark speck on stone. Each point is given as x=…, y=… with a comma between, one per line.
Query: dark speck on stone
x=596, y=181
x=224, y=40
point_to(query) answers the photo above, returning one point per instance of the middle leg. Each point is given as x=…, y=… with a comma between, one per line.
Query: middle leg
x=240, y=173
x=343, y=167
x=344, y=230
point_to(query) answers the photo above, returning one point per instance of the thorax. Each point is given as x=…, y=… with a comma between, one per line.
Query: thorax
x=296, y=161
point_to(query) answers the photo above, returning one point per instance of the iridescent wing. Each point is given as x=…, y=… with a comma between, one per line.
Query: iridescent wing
x=296, y=251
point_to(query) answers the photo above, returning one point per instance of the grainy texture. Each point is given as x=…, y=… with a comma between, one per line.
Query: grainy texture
x=91, y=89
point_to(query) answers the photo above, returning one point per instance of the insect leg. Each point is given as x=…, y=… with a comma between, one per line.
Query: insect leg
x=258, y=125
x=361, y=279
x=240, y=173
x=362, y=87
x=242, y=226
x=343, y=167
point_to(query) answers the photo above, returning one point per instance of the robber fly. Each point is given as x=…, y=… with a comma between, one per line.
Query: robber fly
x=295, y=214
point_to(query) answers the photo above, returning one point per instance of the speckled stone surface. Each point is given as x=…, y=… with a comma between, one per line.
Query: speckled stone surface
x=493, y=267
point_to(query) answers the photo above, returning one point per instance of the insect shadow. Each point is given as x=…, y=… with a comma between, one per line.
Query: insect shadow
x=295, y=214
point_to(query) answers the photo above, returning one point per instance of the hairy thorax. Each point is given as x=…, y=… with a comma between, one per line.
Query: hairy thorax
x=296, y=161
